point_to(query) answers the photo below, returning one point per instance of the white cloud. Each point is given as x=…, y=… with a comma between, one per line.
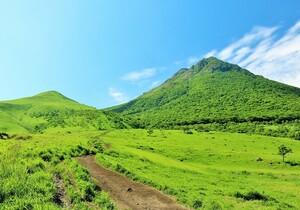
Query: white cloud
x=192, y=60
x=137, y=75
x=258, y=33
x=155, y=84
x=118, y=96
x=211, y=53
x=263, y=51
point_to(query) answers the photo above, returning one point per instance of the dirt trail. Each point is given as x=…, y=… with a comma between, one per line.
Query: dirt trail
x=127, y=193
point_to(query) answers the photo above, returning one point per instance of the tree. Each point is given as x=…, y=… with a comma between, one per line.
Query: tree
x=283, y=150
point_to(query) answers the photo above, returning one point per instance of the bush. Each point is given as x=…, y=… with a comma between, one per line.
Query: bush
x=187, y=131
x=23, y=137
x=46, y=155
x=251, y=196
x=197, y=204
x=97, y=145
x=4, y=136
x=297, y=135
x=79, y=151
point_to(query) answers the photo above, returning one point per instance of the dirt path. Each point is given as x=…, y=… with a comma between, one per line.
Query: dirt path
x=127, y=193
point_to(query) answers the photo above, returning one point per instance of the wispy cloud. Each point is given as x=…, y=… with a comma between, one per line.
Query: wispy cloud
x=192, y=60
x=257, y=34
x=266, y=52
x=117, y=95
x=138, y=75
x=211, y=53
x=188, y=61
x=155, y=84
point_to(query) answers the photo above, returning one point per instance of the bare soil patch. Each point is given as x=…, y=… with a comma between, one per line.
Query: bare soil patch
x=62, y=198
x=127, y=193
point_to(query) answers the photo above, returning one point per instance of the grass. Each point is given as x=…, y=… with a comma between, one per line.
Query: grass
x=203, y=170
x=25, y=185
x=208, y=170
x=39, y=172
x=52, y=112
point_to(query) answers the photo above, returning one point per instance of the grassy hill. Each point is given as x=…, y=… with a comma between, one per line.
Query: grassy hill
x=208, y=170
x=213, y=91
x=52, y=111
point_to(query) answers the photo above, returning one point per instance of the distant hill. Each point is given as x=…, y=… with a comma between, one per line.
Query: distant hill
x=51, y=111
x=213, y=91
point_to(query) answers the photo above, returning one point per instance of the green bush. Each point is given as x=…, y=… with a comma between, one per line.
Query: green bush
x=251, y=196
x=97, y=145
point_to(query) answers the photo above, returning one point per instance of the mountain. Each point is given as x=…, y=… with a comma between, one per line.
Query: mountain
x=213, y=91
x=51, y=111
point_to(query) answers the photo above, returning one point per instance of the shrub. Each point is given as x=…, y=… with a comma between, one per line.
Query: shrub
x=297, y=135
x=97, y=145
x=23, y=137
x=197, y=204
x=187, y=131
x=4, y=136
x=46, y=155
x=251, y=196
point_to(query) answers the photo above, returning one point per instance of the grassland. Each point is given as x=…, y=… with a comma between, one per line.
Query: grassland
x=38, y=171
x=209, y=170
x=203, y=170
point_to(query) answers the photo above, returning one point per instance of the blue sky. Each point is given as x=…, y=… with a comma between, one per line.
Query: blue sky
x=102, y=53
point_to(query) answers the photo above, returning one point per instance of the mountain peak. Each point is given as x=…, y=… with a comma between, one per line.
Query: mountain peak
x=211, y=59
x=51, y=94
x=213, y=64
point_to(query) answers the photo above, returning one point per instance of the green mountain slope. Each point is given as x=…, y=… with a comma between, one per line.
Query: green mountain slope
x=51, y=111
x=213, y=91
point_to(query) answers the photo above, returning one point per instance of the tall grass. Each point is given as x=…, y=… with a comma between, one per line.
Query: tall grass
x=40, y=174
x=25, y=183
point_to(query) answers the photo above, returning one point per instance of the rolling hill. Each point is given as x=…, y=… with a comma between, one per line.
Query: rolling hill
x=52, y=111
x=213, y=91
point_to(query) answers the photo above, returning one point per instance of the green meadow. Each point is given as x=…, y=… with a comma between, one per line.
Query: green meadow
x=201, y=170
x=38, y=171
x=209, y=170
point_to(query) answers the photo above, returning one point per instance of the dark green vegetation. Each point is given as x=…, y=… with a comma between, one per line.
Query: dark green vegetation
x=51, y=111
x=40, y=173
x=209, y=170
x=215, y=95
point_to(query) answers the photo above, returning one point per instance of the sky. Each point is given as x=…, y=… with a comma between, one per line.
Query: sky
x=106, y=52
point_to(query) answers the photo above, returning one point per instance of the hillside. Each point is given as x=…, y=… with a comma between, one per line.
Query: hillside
x=213, y=91
x=50, y=111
